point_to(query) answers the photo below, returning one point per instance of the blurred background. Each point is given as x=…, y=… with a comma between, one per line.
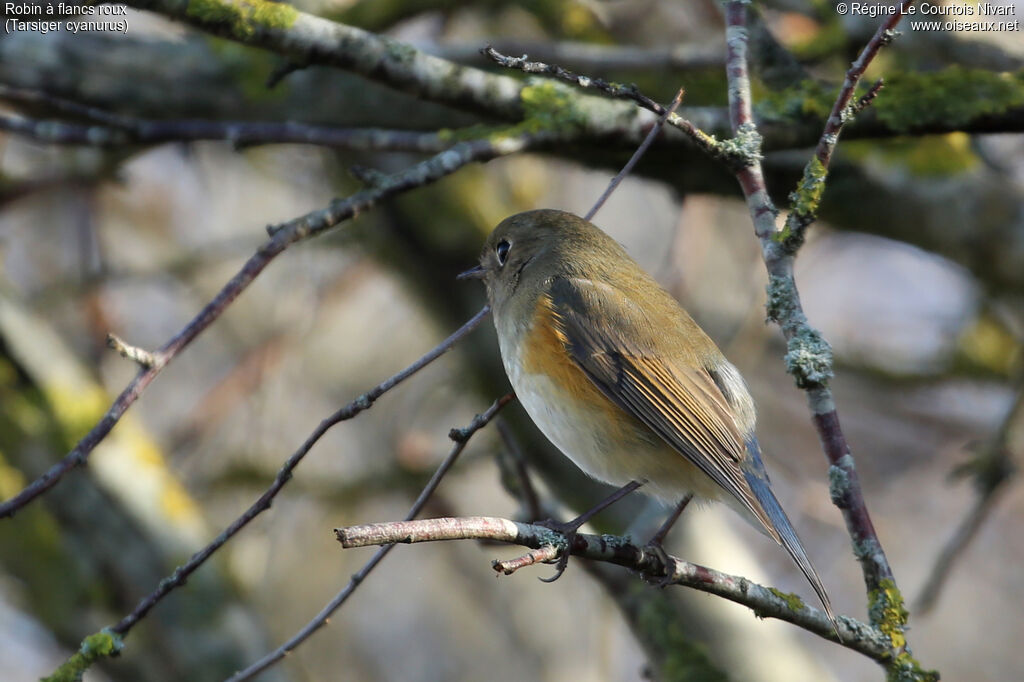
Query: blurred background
x=914, y=275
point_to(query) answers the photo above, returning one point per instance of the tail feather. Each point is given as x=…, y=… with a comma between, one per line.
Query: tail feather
x=758, y=482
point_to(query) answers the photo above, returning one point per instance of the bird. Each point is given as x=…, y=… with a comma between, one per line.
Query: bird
x=620, y=378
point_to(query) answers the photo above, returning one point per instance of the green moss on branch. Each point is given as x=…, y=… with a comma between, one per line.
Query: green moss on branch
x=102, y=644
x=241, y=19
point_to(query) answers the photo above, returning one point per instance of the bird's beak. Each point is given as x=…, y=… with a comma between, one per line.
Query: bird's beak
x=479, y=272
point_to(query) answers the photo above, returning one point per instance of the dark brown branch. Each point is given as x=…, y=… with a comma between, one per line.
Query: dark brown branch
x=461, y=438
x=590, y=57
x=992, y=469
x=808, y=196
x=363, y=402
x=809, y=356
x=517, y=482
x=765, y=602
x=636, y=156
x=704, y=141
x=282, y=236
x=114, y=130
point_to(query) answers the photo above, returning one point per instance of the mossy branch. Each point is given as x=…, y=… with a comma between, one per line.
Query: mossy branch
x=102, y=644
x=763, y=601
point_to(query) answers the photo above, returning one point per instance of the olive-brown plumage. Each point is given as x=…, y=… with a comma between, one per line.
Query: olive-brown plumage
x=619, y=377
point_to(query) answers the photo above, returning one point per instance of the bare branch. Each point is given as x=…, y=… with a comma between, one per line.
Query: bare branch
x=809, y=356
x=706, y=142
x=115, y=130
x=282, y=236
x=143, y=357
x=461, y=438
x=765, y=602
x=534, y=556
x=360, y=404
x=636, y=156
x=590, y=56
x=992, y=468
x=808, y=195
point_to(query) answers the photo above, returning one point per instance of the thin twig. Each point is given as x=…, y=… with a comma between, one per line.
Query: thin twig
x=808, y=195
x=840, y=115
x=360, y=404
x=461, y=438
x=130, y=131
x=590, y=56
x=809, y=357
x=993, y=468
x=543, y=555
x=706, y=142
x=522, y=486
x=636, y=155
x=765, y=603
x=282, y=236
x=143, y=357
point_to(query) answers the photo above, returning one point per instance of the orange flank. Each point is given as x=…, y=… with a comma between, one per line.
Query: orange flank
x=544, y=352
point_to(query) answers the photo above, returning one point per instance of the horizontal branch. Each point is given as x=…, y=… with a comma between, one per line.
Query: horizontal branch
x=590, y=57
x=703, y=140
x=240, y=133
x=305, y=39
x=110, y=129
x=764, y=601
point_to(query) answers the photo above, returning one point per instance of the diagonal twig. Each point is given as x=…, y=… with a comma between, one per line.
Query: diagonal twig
x=809, y=360
x=993, y=468
x=636, y=156
x=808, y=195
x=282, y=236
x=706, y=142
x=461, y=438
x=360, y=404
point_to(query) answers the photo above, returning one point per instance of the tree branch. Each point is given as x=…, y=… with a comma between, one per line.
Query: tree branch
x=110, y=129
x=282, y=236
x=992, y=469
x=809, y=360
x=808, y=195
x=765, y=602
x=808, y=357
x=589, y=57
x=704, y=141
x=305, y=39
x=240, y=133
x=114, y=636
x=461, y=438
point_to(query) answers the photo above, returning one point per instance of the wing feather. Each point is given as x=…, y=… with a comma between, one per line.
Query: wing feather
x=676, y=399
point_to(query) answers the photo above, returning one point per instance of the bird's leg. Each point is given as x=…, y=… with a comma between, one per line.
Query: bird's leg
x=569, y=529
x=656, y=543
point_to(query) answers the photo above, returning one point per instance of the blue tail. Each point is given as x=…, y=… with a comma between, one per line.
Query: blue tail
x=782, y=529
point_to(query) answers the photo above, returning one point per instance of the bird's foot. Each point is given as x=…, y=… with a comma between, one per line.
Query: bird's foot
x=568, y=531
x=668, y=563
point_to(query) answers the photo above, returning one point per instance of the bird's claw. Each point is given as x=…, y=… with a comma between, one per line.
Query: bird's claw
x=667, y=562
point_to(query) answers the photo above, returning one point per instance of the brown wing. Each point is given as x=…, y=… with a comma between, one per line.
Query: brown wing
x=676, y=399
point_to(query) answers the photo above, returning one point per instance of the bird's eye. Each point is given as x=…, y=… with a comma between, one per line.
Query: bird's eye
x=501, y=251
